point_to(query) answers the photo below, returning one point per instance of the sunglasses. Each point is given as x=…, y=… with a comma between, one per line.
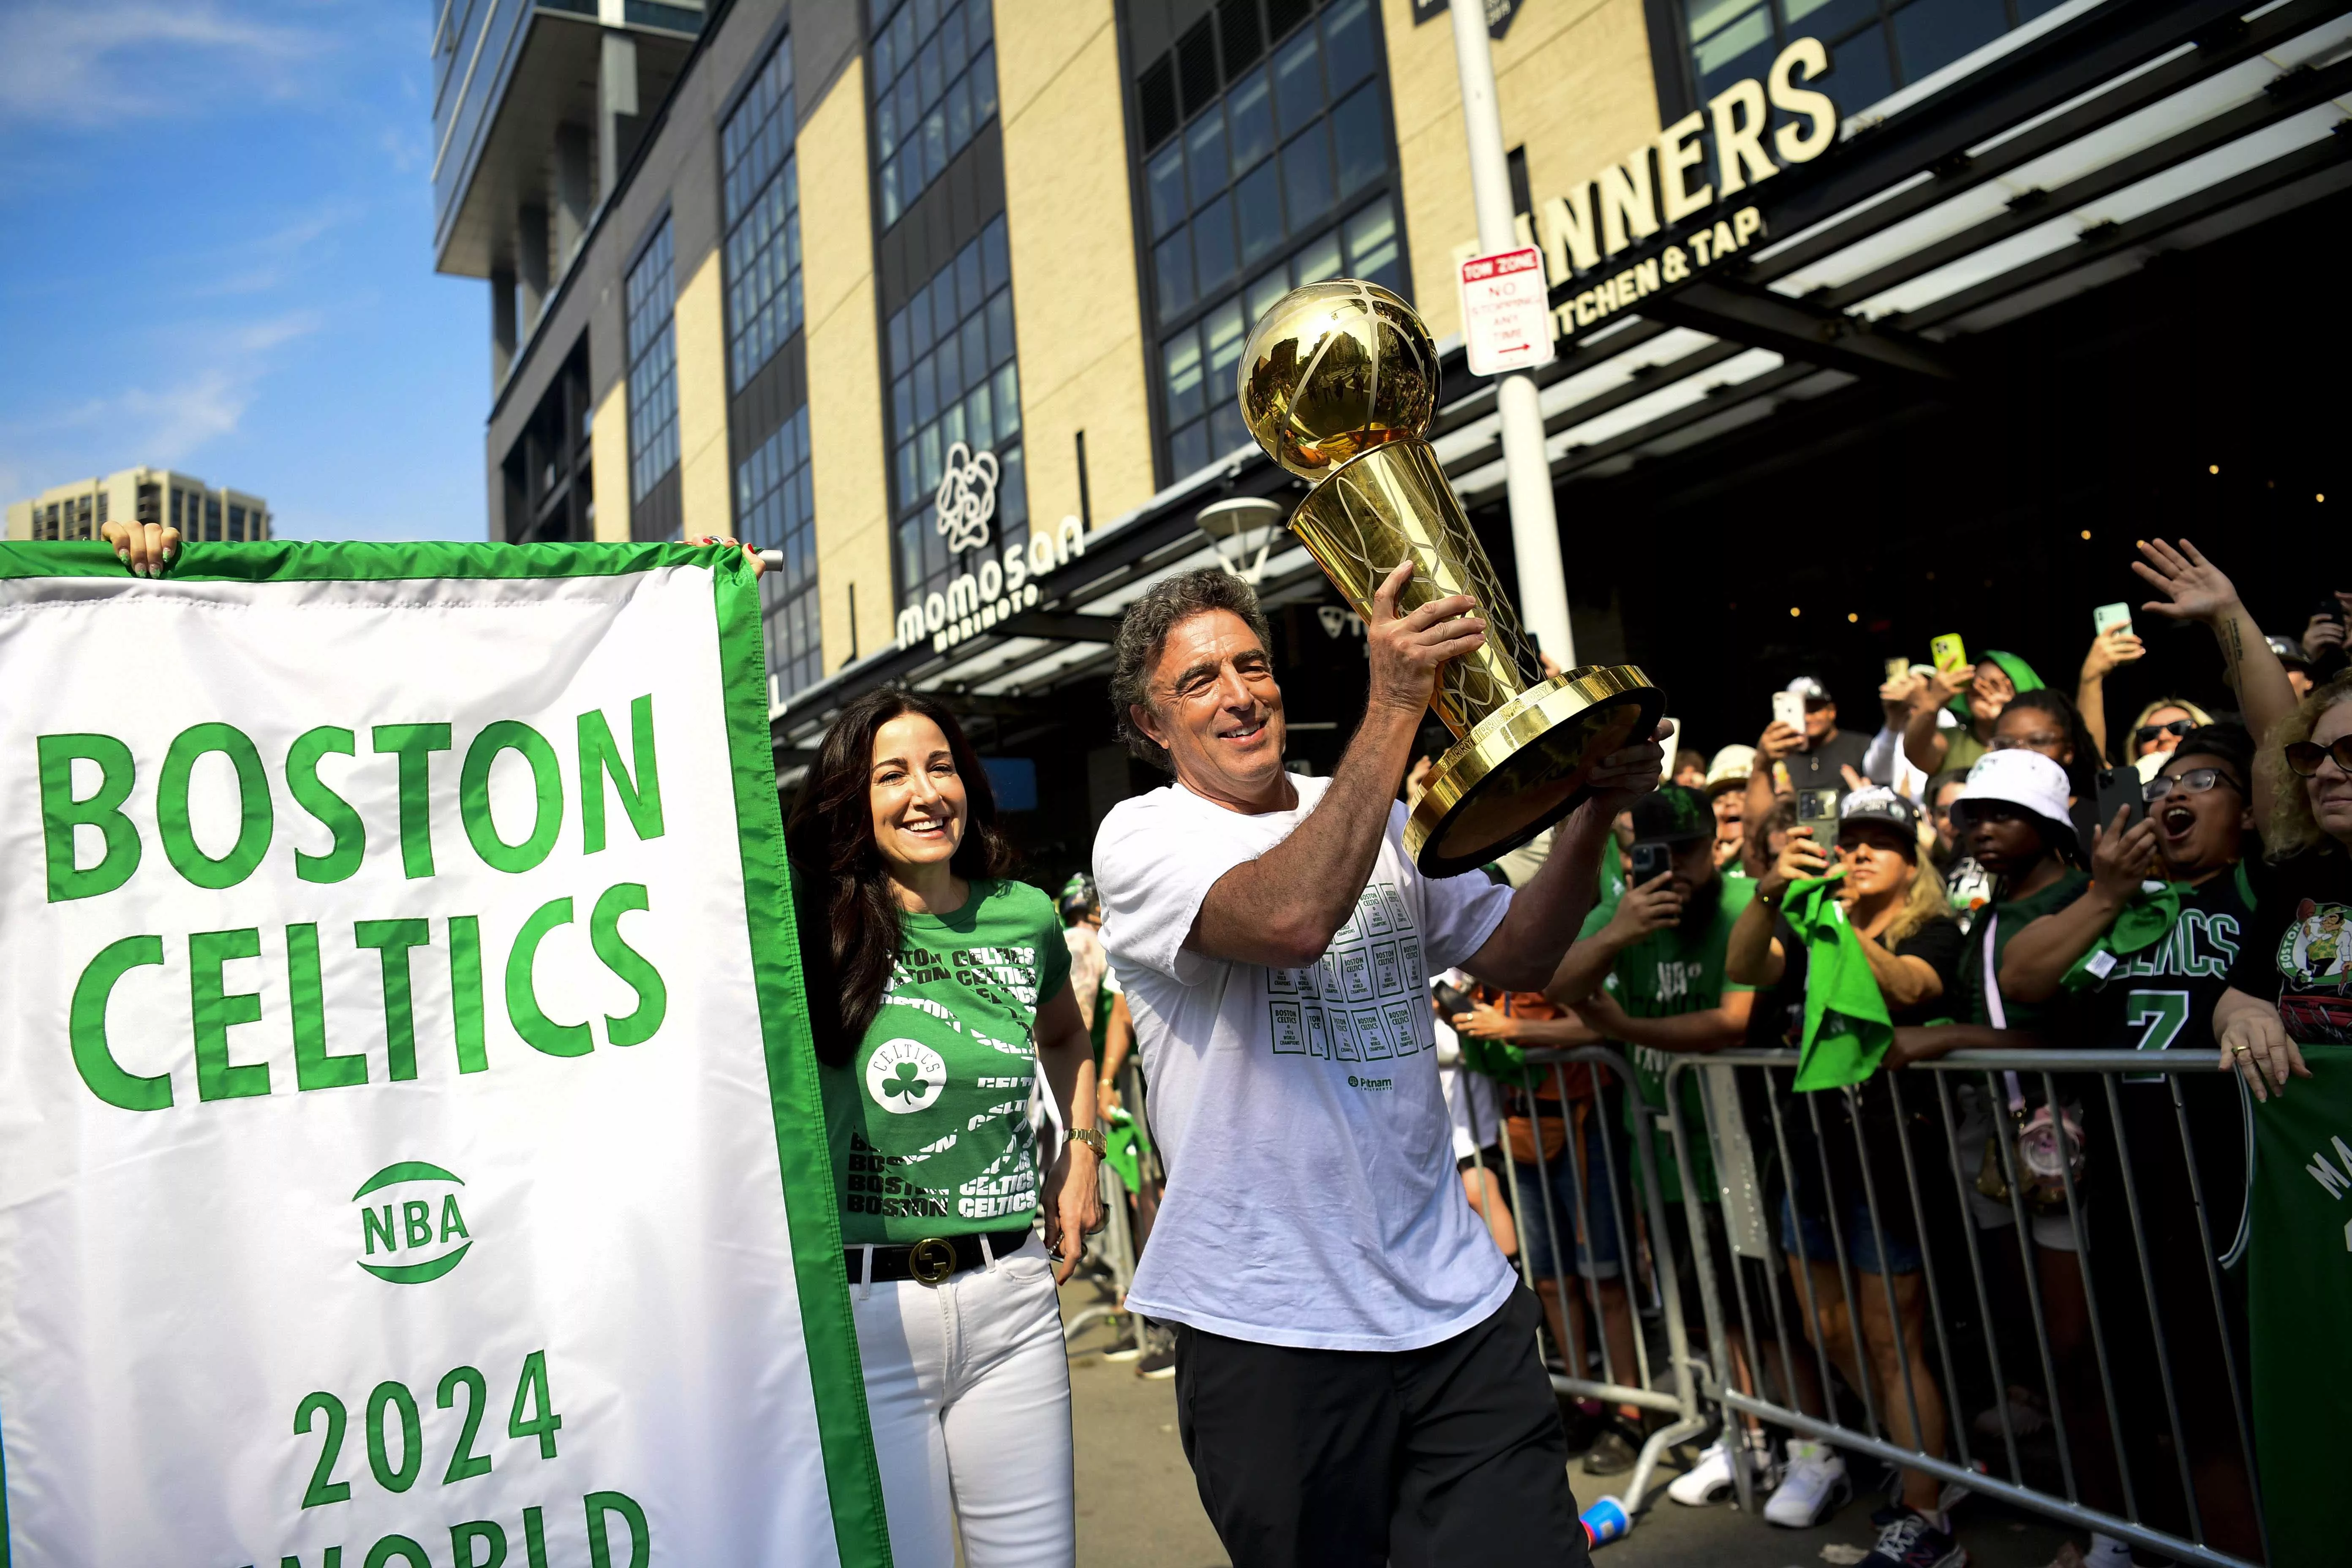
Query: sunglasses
x=2148, y=732
x=2196, y=781
x=2305, y=756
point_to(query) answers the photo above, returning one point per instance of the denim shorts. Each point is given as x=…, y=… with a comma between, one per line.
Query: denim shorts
x=1596, y=1251
x=1819, y=1246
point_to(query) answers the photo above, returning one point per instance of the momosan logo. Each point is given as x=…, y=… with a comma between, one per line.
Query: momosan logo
x=904, y=1074
x=410, y=1228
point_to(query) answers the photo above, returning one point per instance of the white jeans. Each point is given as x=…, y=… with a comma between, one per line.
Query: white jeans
x=968, y=1387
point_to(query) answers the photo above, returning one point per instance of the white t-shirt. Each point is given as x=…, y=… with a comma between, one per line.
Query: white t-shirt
x=1311, y=1196
x=1469, y=1096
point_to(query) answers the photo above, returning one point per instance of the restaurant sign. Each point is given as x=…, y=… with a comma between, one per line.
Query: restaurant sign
x=1664, y=213
x=1001, y=586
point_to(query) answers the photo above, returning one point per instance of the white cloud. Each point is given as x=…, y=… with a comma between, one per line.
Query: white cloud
x=165, y=422
x=71, y=62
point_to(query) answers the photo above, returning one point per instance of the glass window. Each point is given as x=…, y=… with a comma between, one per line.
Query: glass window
x=954, y=378
x=1285, y=177
x=760, y=190
x=652, y=295
x=1876, y=45
x=934, y=85
x=775, y=508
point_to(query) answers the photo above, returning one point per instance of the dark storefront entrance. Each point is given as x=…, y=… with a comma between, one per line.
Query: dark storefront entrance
x=2004, y=509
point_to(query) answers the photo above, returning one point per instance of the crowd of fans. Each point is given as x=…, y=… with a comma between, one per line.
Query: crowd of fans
x=2015, y=874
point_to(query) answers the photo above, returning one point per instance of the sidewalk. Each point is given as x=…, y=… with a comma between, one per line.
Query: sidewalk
x=1137, y=1508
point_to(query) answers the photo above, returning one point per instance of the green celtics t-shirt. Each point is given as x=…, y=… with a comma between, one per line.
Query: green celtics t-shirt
x=1666, y=973
x=928, y=1120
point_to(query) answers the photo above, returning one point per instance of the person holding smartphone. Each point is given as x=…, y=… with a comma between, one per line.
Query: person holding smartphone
x=1951, y=723
x=2155, y=990
x=1894, y=900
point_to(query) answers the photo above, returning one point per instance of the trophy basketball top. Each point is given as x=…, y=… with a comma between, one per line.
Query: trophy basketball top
x=1333, y=370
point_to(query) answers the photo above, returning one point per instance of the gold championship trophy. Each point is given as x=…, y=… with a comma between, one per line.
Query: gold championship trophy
x=1337, y=383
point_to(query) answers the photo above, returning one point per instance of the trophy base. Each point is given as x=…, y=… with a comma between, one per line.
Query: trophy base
x=1524, y=766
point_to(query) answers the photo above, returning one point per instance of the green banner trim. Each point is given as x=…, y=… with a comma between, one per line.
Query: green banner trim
x=289, y=561
x=828, y=1329
x=829, y=1333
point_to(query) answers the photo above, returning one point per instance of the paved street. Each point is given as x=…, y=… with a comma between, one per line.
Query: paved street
x=1138, y=1508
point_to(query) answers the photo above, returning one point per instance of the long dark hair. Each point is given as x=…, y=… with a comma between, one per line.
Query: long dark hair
x=847, y=914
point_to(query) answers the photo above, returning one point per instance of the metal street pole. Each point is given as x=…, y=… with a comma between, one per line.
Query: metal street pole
x=1527, y=473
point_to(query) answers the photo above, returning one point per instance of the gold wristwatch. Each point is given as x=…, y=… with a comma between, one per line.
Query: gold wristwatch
x=1093, y=1138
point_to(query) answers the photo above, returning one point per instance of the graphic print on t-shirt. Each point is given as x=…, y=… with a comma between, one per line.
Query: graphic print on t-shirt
x=1362, y=1000
x=2314, y=966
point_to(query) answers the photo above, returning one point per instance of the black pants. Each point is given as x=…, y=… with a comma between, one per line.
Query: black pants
x=1448, y=1454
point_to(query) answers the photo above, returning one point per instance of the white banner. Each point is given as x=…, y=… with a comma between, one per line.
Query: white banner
x=410, y=1150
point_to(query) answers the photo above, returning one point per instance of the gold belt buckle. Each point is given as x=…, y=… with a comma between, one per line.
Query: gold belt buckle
x=932, y=1259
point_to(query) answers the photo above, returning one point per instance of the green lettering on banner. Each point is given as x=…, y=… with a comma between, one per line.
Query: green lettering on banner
x=414, y=745
x=641, y=1541
x=257, y=816
x=463, y=1463
x=465, y=991
x=599, y=760
x=530, y=1389
x=417, y=1215
x=394, y=1396
x=371, y=1227
x=604, y=935
x=93, y=1058
x=321, y=1489
x=473, y=795
x=539, y=1031
x=534, y=1538
x=392, y=940
x=333, y=811
x=61, y=814
x=398, y=1546
x=215, y=1011
x=452, y=1222
x=462, y=1538
x=315, y=1066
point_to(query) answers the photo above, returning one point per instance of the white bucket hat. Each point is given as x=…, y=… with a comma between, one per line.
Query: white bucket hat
x=1731, y=766
x=2025, y=778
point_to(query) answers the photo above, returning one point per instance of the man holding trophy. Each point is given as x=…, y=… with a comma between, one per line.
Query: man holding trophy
x=1357, y=1373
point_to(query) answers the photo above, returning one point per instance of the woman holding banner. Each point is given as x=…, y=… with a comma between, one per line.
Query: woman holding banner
x=1867, y=939
x=937, y=988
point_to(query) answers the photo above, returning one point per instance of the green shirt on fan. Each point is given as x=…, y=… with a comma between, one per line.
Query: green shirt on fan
x=928, y=1120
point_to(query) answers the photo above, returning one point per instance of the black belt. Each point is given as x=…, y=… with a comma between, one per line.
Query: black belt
x=934, y=1257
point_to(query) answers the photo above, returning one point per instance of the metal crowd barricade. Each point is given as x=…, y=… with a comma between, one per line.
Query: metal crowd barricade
x=1110, y=1255
x=1672, y=1387
x=2112, y=1331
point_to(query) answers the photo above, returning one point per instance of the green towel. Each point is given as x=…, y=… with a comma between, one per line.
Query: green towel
x=1123, y=1148
x=2153, y=910
x=1499, y=1059
x=1847, y=1026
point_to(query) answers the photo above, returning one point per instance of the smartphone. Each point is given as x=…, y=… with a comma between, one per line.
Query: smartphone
x=1818, y=809
x=1897, y=669
x=1451, y=1001
x=1949, y=652
x=2110, y=617
x=1673, y=744
x=1649, y=861
x=1789, y=707
x=2118, y=788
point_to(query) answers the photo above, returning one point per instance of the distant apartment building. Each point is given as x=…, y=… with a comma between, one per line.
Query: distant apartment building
x=79, y=508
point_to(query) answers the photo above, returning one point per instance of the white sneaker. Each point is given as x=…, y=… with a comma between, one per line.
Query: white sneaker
x=1815, y=1486
x=1707, y=1482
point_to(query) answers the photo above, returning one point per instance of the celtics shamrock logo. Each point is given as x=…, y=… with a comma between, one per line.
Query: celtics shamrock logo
x=904, y=1074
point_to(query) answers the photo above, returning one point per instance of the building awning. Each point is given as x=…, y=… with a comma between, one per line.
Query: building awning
x=2067, y=154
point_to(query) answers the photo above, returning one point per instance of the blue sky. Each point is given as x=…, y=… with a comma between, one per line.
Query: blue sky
x=219, y=260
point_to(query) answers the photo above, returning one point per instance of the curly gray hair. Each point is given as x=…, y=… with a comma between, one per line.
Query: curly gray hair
x=1144, y=633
